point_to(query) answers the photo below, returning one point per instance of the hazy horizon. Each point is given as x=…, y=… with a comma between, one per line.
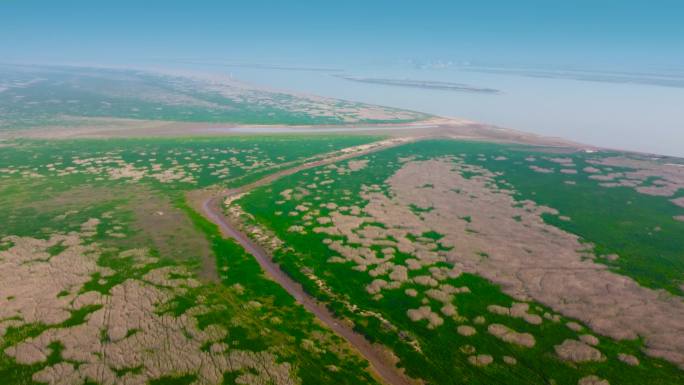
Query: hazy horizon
x=604, y=73
x=610, y=35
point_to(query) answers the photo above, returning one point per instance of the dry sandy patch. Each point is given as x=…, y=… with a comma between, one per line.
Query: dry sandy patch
x=592, y=380
x=530, y=259
x=137, y=334
x=517, y=310
x=506, y=242
x=541, y=170
x=628, y=359
x=481, y=360
x=425, y=313
x=669, y=178
x=577, y=351
x=509, y=335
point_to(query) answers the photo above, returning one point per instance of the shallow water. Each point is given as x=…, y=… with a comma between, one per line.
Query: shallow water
x=616, y=115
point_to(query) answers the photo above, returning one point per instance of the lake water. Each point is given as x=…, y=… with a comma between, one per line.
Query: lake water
x=615, y=115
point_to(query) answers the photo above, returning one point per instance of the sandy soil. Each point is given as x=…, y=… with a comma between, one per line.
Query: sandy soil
x=592, y=380
x=126, y=331
x=504, y=242
x=511, y=336
x=432, y=127
x=668, y=178
x=577, y=351
x=529, y=259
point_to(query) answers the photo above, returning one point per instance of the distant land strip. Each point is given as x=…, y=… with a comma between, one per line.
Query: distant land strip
x=663, y=80
x=426, y=84
x=262, y=66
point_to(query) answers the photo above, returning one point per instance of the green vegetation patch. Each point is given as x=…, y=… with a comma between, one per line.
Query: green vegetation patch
x=443, y=354
x=49, y=187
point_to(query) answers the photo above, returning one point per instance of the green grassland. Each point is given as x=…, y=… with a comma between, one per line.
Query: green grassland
x=49, y=187
x=599, y=215
x=617, y=220
x=38, y=202
x=33, y=192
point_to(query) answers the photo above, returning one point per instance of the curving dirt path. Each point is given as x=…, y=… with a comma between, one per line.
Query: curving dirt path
x=212, y=210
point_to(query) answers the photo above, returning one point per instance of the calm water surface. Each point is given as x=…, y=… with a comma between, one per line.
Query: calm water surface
x=616, y=115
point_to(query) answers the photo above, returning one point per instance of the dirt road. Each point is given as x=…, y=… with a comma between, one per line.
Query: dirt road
x=212, y=209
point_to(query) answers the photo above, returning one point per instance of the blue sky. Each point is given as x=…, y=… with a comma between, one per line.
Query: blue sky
x=601, y=34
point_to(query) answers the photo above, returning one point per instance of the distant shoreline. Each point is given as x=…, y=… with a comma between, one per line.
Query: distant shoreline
x=425, y=84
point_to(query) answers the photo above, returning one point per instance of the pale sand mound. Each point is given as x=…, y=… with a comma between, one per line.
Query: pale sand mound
x=592, y=380
x=574, y=326
x=323, y=220
x=286, y=194
x=517, y=310
x=425, y=313
x=541, y=169
x=511, y=336
x=628, y=359
x=679, y=218
x=679, y=201
x=606, y=177
x=589, y=339
x=376, y=286
x=510, y=360
x=567, y=162
x=481, y=360
x=356, y=165
x=576, y=351
x=425, y=280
